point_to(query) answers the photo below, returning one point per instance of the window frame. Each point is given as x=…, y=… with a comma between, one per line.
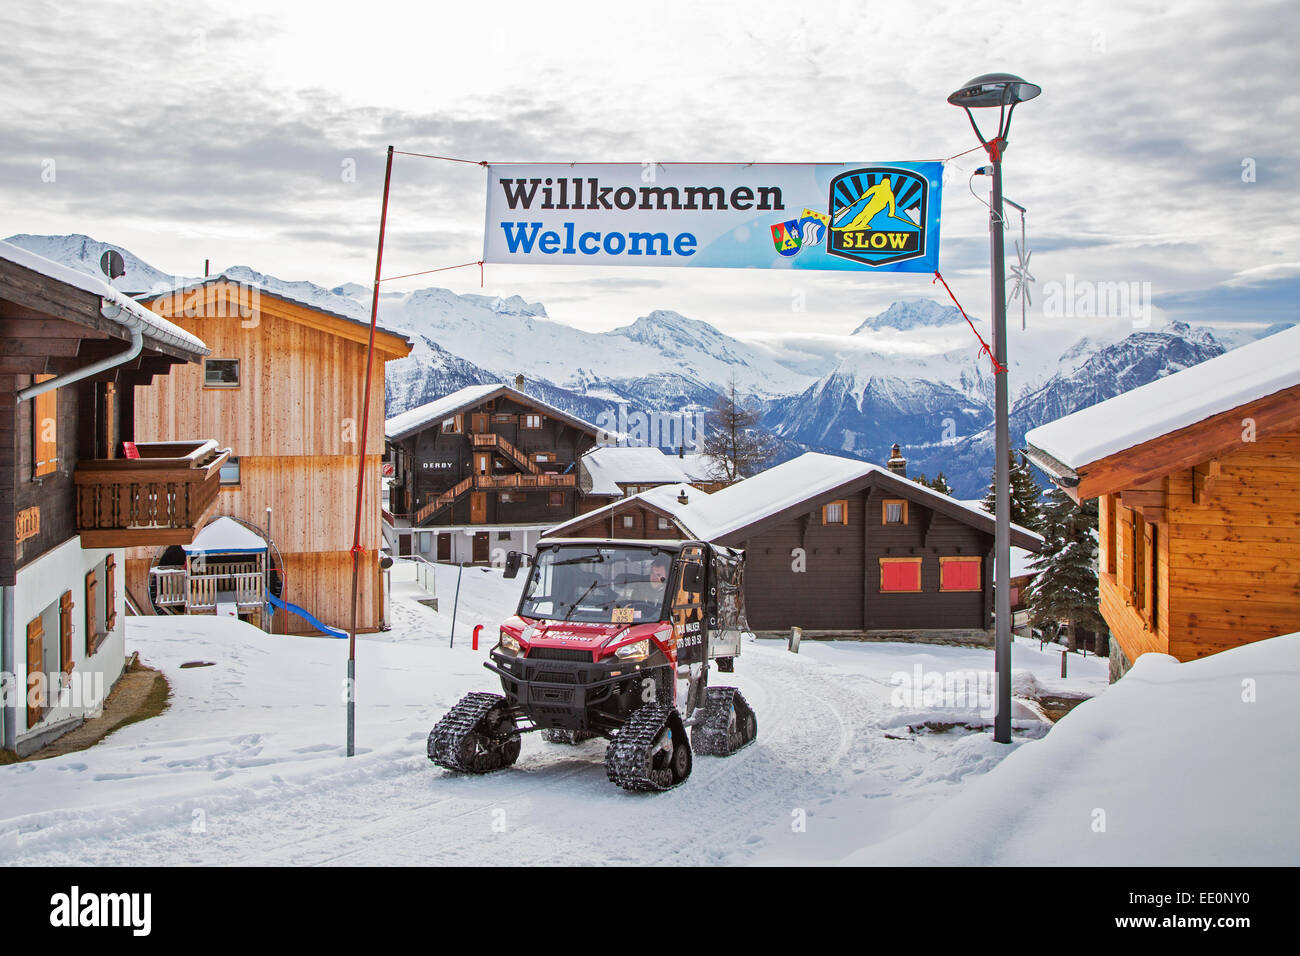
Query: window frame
x=884, y=510
x=457, y=423
x=222, y=483
x=555, y=499
x=908, y=560
x=237, y=383
x=527, y=417
x=962, y=559
x=843, y=505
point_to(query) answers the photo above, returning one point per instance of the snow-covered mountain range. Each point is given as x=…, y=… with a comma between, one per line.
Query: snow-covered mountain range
x=911, y=374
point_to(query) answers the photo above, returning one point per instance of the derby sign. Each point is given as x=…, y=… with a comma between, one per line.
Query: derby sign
x=878, y=217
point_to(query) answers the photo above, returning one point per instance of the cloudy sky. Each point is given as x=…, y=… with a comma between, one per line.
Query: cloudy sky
x=1163, y=149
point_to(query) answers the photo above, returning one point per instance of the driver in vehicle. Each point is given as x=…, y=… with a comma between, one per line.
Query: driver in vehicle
x=647, y=589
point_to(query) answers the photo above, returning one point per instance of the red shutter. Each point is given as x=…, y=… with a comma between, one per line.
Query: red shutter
x=900, y=576
x=960, y=575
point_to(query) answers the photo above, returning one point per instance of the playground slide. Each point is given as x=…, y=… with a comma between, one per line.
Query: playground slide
x=295, y=609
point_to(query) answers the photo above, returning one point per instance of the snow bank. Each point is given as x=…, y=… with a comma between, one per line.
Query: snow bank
x=1177, y=764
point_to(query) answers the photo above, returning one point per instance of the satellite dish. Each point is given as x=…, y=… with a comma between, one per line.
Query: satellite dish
x=112, y=264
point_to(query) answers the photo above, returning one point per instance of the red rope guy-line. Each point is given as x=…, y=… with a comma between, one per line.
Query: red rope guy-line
x=998, y=367
x=426, y=272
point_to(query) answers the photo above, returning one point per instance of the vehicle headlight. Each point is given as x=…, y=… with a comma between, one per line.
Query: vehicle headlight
x=636, y=651
x=509, y=644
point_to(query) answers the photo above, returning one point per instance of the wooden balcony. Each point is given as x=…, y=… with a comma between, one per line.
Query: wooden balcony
x=159, y=498
x=525, y=481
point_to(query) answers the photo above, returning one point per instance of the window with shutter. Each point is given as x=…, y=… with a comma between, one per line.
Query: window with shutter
x=91, y=630
x=110, y=593
x=65, y=631
x=45, y=430
x=900, y=574
x=36, y=698
x=959, y=574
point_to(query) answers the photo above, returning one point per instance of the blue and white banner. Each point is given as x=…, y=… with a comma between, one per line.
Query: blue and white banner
x=875, y=217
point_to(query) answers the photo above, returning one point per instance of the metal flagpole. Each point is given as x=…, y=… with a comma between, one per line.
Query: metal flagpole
x=357, y=550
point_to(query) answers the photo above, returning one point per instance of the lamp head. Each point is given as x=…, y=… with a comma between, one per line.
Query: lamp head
x=994, y=89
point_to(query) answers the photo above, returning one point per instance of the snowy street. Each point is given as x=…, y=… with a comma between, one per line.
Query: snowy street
x=246, y=766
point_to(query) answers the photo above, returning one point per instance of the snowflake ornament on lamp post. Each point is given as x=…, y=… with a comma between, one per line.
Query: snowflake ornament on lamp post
x=1021, y=278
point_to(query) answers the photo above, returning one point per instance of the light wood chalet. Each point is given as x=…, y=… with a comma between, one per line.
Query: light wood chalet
x=283, y=386
x=1198, y=481
x=74, y=355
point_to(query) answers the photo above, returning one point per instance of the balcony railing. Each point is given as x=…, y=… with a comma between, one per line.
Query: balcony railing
x=159, y=498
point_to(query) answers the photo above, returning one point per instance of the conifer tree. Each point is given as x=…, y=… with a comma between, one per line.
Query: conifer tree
x=1064, y=591
x=1026, y=494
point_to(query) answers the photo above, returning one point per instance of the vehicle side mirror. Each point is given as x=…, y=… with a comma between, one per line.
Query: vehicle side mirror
x=513, y=560
x=693, y=578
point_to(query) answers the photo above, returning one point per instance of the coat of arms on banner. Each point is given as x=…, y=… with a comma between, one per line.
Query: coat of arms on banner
x=878, y=215
x=787, y=238
x=807, y=231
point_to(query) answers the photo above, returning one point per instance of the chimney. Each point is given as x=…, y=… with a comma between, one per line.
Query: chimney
x=897, y=463
x=681, y=451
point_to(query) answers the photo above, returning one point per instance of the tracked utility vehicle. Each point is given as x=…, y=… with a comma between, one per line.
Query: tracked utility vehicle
x=613, y=639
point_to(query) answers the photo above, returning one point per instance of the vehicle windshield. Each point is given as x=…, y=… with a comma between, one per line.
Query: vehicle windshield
x=598, y=584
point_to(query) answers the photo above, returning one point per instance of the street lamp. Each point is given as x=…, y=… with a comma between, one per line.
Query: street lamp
x=1004, y=91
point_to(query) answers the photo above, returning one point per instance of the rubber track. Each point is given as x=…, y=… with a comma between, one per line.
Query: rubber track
x=710, y=736
x=446, y=740
x=625, y=757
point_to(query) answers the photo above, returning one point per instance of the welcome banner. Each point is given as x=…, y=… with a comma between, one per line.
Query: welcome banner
x=874, y=217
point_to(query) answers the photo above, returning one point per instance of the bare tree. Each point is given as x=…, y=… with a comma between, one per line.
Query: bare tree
x=734, y=445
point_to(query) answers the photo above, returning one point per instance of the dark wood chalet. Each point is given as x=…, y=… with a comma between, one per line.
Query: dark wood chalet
x=1197, y=477
x=835, y=546
x=480, y=472
x=75, y=488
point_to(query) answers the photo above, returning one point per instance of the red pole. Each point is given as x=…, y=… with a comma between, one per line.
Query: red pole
x=477, y=629
x=357, y=550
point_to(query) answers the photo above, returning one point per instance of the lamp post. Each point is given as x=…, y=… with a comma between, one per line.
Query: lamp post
x=1004, y=91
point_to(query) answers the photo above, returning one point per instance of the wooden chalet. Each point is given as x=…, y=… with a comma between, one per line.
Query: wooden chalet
x=78, y=485
x=283, y=385
x=835, y=546
x=482, y=471
x=1197, y=477
x=609, y=472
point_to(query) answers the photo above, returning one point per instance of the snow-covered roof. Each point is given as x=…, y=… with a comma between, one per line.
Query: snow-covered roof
x=409, y=422
x=612, y=465
x=812, y=474
x=710, y=517
x=225, y=535
x=664, y=498
x=245, y=277
x=152, y=326
x=1245, y=374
